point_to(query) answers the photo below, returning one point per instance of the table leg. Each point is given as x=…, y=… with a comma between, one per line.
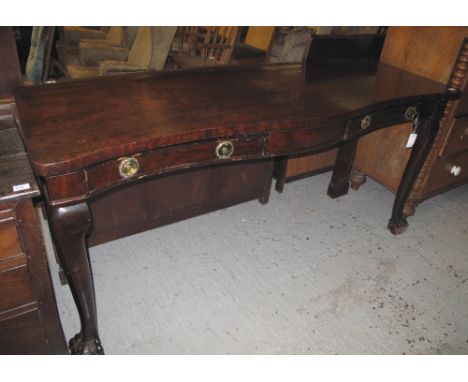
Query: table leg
x=69, y=226
x=427, y=131
x=339, y=184
x=281, y=165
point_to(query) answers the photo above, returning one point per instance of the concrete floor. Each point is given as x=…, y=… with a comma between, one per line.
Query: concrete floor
x=304, y=274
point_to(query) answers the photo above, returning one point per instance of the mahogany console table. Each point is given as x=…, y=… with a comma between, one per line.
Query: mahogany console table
x=90, y=137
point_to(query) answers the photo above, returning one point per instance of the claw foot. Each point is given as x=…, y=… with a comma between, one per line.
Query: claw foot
x=397, y=227
x=90, y=346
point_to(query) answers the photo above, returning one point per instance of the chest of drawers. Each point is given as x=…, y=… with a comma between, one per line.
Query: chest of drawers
x=29, y=322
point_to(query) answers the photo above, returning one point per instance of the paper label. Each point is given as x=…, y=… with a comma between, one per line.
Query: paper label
x=21, y=187
x=411, y=139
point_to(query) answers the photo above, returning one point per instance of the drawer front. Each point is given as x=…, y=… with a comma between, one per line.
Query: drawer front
x=174, y=157
x=448, y=172
x=23, y=334
x=9, y=241
x=457, y=139
x=394, y=116
x=16, y=289
x=301, y=141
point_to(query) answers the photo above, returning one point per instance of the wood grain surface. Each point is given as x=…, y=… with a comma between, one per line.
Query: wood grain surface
x=70, y=125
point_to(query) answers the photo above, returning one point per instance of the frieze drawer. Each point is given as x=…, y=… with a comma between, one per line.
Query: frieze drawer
x=393, y=116
x=172, y=158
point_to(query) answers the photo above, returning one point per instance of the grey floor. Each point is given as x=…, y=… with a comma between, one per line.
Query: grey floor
x=302, y=275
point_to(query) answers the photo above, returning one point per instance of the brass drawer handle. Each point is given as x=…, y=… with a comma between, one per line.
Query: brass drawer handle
x=128, y=167
x=224, y=149
x=366, y=122
x=411, y=114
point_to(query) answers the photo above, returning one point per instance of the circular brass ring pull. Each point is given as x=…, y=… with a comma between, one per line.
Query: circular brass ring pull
x=366, y=121
x=411, y=114
x=128, y=167
x=224, y=149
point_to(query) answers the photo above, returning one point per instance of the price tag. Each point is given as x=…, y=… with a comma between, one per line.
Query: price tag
x=411, y=139
x=21, y=187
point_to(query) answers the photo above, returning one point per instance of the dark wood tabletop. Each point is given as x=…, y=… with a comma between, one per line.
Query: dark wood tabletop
x=70, y=125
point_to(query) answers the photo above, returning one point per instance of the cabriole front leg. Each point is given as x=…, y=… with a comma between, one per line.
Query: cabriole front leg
x=427, y=131
x=69, y=226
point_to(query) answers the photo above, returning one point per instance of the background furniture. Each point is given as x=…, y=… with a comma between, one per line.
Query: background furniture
x=260, y=37
x=437, y=53
x=10, y=75
x=68, y=50
x=348, y=52
x=72, y=35
x=23, y=44
x=40, y=59
x=440, y=54
x=255, y=47
x=149, y=51
x=29, y=322
x=206, y=46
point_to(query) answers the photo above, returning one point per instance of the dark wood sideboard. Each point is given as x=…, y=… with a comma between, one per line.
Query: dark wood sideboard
x=90, y=139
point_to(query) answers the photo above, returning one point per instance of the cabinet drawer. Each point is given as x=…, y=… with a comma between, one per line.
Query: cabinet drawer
x=16, y=289
x=175, y=157
x=447, y=172
x=393, y=116
x=23, y=334
x=9, y=242
x=457, y=139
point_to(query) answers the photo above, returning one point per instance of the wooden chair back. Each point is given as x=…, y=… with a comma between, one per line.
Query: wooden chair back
x=186, y=39
x=209, y=45
x=219, y=44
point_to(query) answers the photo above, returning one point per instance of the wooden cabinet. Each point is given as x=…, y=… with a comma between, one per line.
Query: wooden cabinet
x=437, y=53
x=29, y=322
